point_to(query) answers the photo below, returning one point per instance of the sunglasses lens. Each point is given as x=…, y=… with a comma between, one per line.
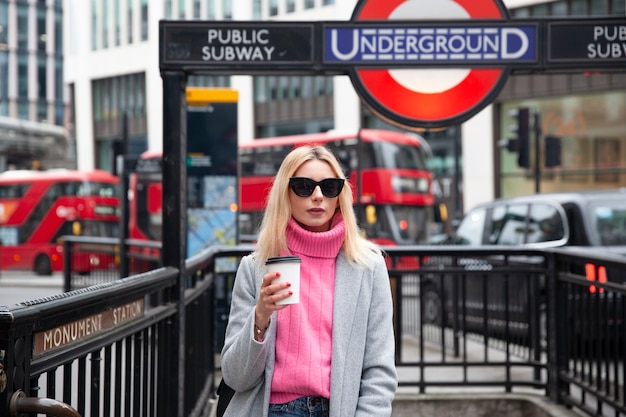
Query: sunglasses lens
x=303, y=187
x=331, y=187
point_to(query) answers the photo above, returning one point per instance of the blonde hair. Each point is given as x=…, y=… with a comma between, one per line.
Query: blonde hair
x=272, y=239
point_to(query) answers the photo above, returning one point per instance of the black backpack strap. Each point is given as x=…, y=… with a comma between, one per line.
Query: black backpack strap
x=224, y=394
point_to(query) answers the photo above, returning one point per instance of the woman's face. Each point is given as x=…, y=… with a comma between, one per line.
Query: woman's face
x=315, y=212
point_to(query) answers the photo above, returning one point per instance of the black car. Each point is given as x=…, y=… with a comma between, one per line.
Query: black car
x=499, y=293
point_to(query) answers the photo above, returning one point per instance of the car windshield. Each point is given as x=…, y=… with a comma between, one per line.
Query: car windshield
x=610, y=222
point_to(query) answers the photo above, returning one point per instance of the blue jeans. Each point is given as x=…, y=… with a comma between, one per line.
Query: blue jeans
x=301, y=407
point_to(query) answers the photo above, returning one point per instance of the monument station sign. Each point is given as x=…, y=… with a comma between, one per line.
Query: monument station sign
x=394, y=52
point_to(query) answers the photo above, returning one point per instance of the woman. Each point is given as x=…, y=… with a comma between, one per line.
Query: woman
x=332, y=354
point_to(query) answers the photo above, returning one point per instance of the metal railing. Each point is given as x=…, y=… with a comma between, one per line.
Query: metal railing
x=494, y=319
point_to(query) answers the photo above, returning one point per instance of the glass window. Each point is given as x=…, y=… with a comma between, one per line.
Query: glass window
x=540, y=10
x=283, y=91
x=211, y=9
x=610, y=223
x=328, y=2
x=42, y=37
x=42, y=80
x=196, y=9
x=592, y=131
x=294, y=87
x=470, y=230
x=58, y=33
x=309, y=4
x=22, y=26
x=559, y=8
x=227, y=9
x=22, y=73
x=509, y=228
x=273, y=7
x=94, y=24
x=182, y=8
x=599, y=7
x=168, y=9
x=144, y=20
x=291, y=6
x=105, y=24
x=520, y=12
x=545, y=224
x=257, y=9
x=307, y=86
x=129, y=22
x=118, y=23
x=618, y=7
x=272, y=88
x=578, y=8
x=260, y=95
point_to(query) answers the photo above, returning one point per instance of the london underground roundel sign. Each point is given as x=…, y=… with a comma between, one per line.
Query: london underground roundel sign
x=435, y=96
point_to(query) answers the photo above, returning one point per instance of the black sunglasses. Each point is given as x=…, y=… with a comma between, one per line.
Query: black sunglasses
x=304, y=187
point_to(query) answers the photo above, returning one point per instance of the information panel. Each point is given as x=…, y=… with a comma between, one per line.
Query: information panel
x=587, y=42
x=228, y=43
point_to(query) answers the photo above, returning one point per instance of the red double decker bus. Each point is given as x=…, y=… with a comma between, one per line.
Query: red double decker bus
x=387, y=171
x=38, y=207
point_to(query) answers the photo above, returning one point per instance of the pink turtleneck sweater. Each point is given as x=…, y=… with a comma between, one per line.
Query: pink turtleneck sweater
x=304, y=330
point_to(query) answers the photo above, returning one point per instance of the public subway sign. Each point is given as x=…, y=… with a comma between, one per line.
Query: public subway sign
x=85, y=328
x=414, y=63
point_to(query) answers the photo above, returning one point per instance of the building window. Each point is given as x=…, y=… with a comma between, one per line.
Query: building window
x=578, y=8
x=309, y=4
x=22, y=27
x=118, y=23
x=211, y=9
x=129, y=22
x=260, y=90
x=182, y=9
x=144, y=20
x=94, y=25
x=328, y=2
x=559, y=8
x=273, y=7
x=42, y=37
x=618, y=7
x=105, y=24
x=227, y=9
x=291, y=6
x=599, y=8
x=168, y=9
x=257, y=11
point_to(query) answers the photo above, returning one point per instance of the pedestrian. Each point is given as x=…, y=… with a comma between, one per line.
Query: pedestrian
x=333, y=353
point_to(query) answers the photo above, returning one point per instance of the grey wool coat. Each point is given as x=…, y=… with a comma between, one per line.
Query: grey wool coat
x=363, y=373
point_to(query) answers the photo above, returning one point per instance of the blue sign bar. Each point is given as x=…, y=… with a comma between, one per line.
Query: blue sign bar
x=402, y=43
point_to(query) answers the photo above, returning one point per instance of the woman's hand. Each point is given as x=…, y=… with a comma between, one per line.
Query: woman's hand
x=266, y=304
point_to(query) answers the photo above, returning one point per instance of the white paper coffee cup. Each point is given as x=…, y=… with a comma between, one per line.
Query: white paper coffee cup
x=289, y=269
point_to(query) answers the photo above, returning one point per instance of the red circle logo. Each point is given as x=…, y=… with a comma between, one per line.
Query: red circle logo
x=428, y=98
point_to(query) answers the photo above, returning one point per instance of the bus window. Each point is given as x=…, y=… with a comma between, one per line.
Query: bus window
x=38, y=207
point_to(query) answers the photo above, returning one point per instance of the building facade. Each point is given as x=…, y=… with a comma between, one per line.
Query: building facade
x=33, y=131
x=111, y=68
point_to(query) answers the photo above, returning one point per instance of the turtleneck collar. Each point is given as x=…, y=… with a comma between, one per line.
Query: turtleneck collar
x=316, y=244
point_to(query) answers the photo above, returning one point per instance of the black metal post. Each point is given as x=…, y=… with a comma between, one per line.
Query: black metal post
x=537, y=127
x=174, y=249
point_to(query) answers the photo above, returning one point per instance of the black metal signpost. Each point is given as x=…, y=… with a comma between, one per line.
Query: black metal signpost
x=364, y=48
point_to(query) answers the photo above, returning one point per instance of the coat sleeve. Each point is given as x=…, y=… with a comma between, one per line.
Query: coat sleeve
x=379, y=377
x=243, y=358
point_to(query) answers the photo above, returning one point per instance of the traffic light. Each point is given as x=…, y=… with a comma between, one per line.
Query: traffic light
x=521, y=130
x=552, y=151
